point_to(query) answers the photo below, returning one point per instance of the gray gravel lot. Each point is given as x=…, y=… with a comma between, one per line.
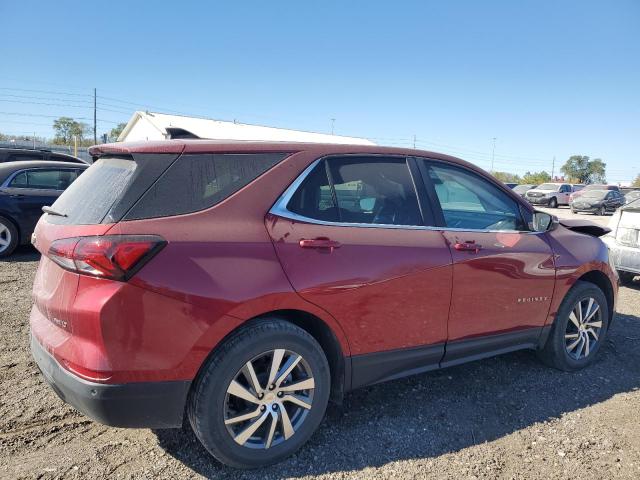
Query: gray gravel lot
x=506, y=417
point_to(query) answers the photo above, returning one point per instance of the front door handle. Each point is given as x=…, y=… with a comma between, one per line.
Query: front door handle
x=321, y=242
x=469, y=246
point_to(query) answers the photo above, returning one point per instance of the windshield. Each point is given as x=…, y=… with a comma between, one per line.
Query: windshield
x=548, y=186
x=522, y=188
x=595, y=187
x=599, y=194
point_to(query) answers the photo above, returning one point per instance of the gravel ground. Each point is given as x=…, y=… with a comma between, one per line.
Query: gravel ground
x=506, y=417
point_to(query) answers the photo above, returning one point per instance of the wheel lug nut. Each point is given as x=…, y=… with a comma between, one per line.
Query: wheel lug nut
x=274, y=406
x=263, y=408
x=280, y=394
x=271, y=387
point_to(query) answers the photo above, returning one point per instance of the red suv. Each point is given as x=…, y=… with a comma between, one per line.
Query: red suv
x=246, y=284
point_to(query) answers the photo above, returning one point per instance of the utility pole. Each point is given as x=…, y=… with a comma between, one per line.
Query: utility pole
x=553, y=168
x=95, y=119
x=493, y=153
x=414, y=142
x=333, y=121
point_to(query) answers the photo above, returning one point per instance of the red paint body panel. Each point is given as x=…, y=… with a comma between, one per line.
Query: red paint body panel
x=489, y=286
x=389, y=288
x=575, y=255
x=382, y=289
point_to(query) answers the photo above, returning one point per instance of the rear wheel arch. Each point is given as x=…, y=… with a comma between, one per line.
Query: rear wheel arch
x=8, y=217
x=320, y=330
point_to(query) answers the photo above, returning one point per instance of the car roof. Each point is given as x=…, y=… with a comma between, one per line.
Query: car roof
x=10, y=167
x=240, y=146
x=27, y=150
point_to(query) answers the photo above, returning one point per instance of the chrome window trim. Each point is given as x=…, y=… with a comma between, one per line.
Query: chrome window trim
x=279, y=208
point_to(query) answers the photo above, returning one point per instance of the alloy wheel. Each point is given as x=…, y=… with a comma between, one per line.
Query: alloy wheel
x=5, y=237
x=583, y=328
x=268, y=399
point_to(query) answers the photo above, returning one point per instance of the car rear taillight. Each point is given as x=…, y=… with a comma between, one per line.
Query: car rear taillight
x=116, y=257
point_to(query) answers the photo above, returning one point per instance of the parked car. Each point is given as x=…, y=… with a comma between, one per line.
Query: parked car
x=591, y=187
x=25, y=187
x=631, y=196
x=551, y=194
x=522, y=189
x=598, y=202
x=24, y=154
x=246, y=284
x=624, y=241
x=511, y=185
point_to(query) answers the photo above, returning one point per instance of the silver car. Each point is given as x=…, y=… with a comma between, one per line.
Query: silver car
x=624, y=241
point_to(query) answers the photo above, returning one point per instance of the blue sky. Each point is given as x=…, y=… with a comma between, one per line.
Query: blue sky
x=546, y=78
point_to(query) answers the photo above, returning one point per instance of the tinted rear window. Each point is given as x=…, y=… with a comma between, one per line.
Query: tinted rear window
x=198, y=181
x=108, y=189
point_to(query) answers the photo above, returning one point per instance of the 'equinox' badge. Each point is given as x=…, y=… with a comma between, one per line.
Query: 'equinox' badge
x=532, y=299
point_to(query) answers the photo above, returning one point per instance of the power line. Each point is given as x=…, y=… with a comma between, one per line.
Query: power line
x=54, y=116
x=46, y=91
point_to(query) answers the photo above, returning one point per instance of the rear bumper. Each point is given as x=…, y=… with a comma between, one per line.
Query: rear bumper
x=136, y=405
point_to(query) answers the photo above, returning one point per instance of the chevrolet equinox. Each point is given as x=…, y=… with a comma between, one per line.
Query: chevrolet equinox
x=245, y=284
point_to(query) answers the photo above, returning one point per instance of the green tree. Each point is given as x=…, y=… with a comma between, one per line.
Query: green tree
x=506, y=177
x=67, y=129
x=536, y=178
x=636, y=182
x=116, y=131
x=581, y=169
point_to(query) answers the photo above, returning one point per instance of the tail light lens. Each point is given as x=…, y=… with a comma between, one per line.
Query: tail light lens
x=117, y=257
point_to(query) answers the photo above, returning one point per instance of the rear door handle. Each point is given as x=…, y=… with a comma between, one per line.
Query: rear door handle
x=470, y=246
x=321, y=242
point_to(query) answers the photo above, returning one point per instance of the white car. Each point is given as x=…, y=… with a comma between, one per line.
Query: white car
x=624, y=241
x=550, y=194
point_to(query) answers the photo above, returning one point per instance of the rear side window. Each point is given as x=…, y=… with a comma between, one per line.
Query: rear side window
x=44, y=179
x=199, y=181
x=364, y=190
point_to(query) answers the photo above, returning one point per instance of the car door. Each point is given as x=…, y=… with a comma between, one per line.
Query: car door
x=564, y=194
x=503, y=273
x=617, y=200
x=34, y=188
x=353, y=236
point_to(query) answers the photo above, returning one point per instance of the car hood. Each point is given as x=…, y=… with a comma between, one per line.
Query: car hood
x=584, y=226
x=535, y=190
x=634, y=206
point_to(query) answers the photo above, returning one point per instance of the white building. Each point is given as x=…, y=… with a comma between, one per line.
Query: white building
x=159, y=126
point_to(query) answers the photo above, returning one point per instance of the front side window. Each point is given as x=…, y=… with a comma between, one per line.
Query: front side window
x=469, y=201
x=360, y=190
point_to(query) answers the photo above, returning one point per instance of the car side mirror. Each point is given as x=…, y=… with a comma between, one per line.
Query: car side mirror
x=543, y=222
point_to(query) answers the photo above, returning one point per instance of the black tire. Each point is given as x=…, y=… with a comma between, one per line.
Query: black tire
x=555, y=352
x=553, y=203
x=626, y=277
x=573, y=211
x=8, y=232
x=206, y=405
